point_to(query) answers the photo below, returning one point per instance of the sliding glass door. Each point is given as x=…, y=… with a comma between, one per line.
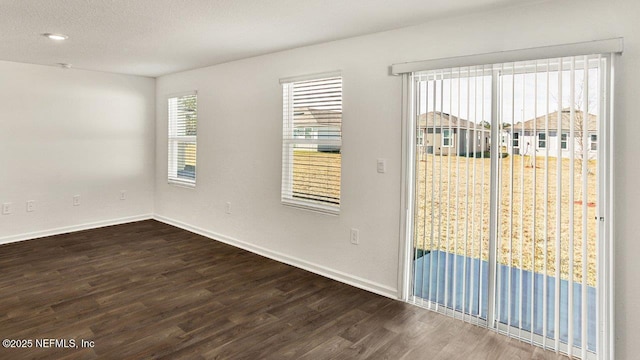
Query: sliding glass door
x=508, y=197
x=452, y=190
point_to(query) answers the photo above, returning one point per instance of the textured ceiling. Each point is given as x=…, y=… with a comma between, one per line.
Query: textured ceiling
x=157, y=37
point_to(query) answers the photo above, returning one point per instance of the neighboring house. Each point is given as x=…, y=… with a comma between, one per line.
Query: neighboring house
x=444, y=134
x=539, y=135
x=317, y=124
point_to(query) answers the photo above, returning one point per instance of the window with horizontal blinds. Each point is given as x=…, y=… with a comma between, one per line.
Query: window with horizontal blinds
x=312, y=142
x=183, y=130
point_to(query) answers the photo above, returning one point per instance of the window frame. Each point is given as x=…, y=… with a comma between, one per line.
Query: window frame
x=515, y=140
x=604, y=200
x=593, y=144
x=564, y=141
x=541, y=140
x=288, y=145
x=173, y=141
x=448, y=137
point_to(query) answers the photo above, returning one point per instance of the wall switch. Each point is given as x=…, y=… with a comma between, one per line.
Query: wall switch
x=31, y=205
x=227, y=207
x=355, y=236
x=382, y=166
x=6, y=209
x=76, y=200
x=123, y=195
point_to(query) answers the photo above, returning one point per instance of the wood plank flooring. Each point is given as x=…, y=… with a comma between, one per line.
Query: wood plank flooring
x=150, y=290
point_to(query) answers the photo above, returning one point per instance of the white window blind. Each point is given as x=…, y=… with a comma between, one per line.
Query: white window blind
x=312, y=142
x=183, y=129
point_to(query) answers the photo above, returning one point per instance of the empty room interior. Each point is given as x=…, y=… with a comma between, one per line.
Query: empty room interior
x=313, y=179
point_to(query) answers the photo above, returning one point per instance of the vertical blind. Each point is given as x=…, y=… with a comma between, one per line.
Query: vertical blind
x=312, y=143
x=183, y=129
x=452, y=197
x=507, y=232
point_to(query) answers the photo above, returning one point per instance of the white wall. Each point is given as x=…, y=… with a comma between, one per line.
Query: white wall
x=240, y=104
x=68, y=132
x=239, y=161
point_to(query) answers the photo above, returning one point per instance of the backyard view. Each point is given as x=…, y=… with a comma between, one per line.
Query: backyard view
x=456, y=230
x=522, y=225
x=316, y=175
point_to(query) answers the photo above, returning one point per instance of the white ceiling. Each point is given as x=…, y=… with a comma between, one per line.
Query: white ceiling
x=157, y=37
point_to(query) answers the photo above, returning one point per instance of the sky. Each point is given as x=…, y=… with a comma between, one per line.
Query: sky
x=470, y=97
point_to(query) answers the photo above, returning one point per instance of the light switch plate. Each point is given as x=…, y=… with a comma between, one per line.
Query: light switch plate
x=355, y=236
x=382, y=166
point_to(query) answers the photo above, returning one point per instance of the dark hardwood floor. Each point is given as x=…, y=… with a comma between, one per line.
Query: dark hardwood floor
x=150, y=290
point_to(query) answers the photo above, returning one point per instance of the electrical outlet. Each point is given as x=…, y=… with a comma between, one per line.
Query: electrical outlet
x=31, y=205
x=381, y=166
x=76, y=200
x=123, y=195
x=7, y=209
x=355, y=236
x=227, y=207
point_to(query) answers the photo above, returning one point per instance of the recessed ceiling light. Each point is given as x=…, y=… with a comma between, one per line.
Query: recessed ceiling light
x=57, y=37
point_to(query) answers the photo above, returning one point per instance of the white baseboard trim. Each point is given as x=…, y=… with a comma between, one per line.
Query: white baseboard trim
x=286, y=259
x=73, y=228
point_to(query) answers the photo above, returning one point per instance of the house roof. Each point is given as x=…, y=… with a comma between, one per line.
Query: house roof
x=439, y=119
x=540, y=122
